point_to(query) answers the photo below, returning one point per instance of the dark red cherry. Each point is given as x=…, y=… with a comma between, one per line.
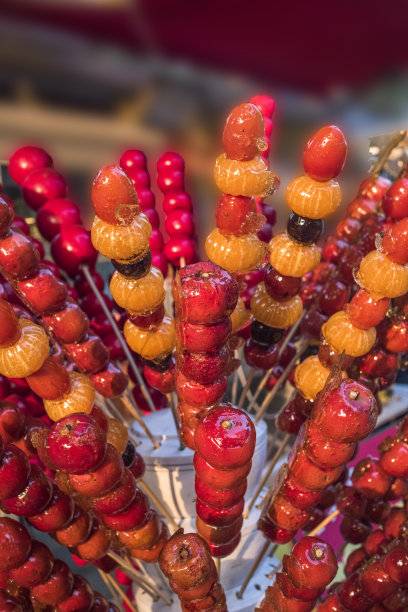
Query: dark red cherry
x=56, y=214
x=42, y=185
x=72, y=247
x=15, y=544
x=25, y=160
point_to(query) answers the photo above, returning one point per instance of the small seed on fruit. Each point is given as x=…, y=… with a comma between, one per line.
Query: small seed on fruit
x=226, y=424
x=354, y=395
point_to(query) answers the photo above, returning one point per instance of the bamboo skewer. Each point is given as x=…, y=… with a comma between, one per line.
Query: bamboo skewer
x=234, y=388
x=119, y=336
x=246, y=388
x=118, y=602
x=158, y=504
x=253, y=569
x=324, y=522
x=120, y=592
x=259, y=414
x=267, y=374
x=140, y=421
x=172, y=405
x=114, y=412
x=268, y=472
x=142, y=580
x=242, y=378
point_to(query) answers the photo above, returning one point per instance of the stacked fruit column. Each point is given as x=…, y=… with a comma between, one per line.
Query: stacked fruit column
x=204, y=298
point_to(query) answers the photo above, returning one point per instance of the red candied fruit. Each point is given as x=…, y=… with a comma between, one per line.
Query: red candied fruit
x=311, y=564
x=325, y=153
x=395, y=201
x=76, y=444
x=238, y=215
x=25, y=160
x=41, y=185
x=113, y=196
x=370, y=479
x=347, y=413
x=395, y=242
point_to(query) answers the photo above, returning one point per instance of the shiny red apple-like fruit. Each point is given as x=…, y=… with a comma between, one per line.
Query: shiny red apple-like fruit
x=70, y=324
x=15, y=544
x=325, y=153
x=25, y=160
x=43, y=291
x=57, y=515
x=72, y=247
x=41, y=185
x=201, y=338
x=14, y=472
x=76, y=444
x=197, y=394
x=56, y=214
x=103, y=478
x=34, y=498
x=57, y=587
x=77, y=531
x=81, y=598
x=347, y=413
x=130, y=518
x=370, y=479
x=36, y=569
x=312, y=563
x=220, y=478
x=18, y=256
x=225, y=437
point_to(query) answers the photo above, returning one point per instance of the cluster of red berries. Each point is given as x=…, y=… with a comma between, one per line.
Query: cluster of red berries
x=307, y=571
x=77, y=446
x=187, y=563
x=377, y=573
x=225, y=442
x=47, y=296
x=177, y=207
x=343, y=415
x=39, y=577
x=204, y=298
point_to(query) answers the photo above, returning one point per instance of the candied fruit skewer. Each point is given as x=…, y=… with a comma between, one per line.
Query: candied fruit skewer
x=306, y=572
x=186, y=562
x=24, y=350
x=181, y=248
x=204, y=296
x=134, y=163
x=224, y=441
x=121, y=232
x=374, y=578
x=68, y=323
x=97, y=472
x=31, y=565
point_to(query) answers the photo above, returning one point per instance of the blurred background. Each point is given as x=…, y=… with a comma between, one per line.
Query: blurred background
x=87, y=79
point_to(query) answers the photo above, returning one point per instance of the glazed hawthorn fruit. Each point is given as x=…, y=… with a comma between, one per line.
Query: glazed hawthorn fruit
x=352, y=596
x=204, y=293
x=114, y=197
x=326, y=452
x=97, y=543
x=347, y=413
x=219, y=517
x=217, y=498
x=370, y=479
x=186, y=560
x=354, y=530
x=57, y=515
x=102, y=479
x=81, y=598
x=225, y=437
x=36, y=569
x=312, y=563
x=236, y=214
x=70, y=324
x=395, y=563
x=244, y=133
x=77, y=531
x=350, y=502
x=290, y=591
x=273, y=532
x=76, y=444
x=15, y=544
x=220, y=478
x=365, y=311
x=12, y=422
x=72, y=247
x=300, y=496
x=18, y=256
x=376, y=582
x=284, y=514
x=51, y=381
x=118, y=498
x=57, y=587
x=130, y=518
x=34, y=498
x=310, y=476
x=395, y=201
x=325, y=153
x=394, y=456
x=14, y=471
x=25, y=160
x=44, y=292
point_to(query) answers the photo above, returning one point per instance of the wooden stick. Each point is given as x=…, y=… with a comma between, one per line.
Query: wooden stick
x=129, y=570
x=114, y=412
x=120, y=592
x=175, y=418
x=217, y=561
x=119, y=336
x=242, y=378
x=113, y=593
x=259, y=414
x=284, y=344
x=246, y=388
x=254, y=567
x=158, y=504
x=139, y=420
x=267, y=474
x=182, y=262
x=234, y=389
x=386, y=152
x=324, y=522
